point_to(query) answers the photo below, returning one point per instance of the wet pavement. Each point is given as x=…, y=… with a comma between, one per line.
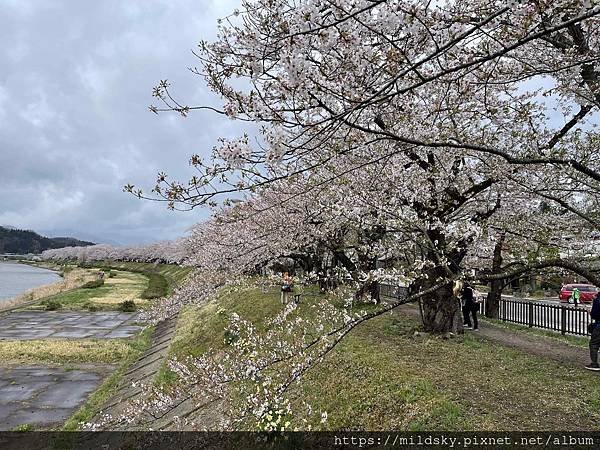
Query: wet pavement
x=27, y=325
x=44, y=396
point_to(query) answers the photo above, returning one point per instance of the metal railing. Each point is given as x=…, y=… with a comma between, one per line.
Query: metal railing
x=392, y=291
x=560, y=318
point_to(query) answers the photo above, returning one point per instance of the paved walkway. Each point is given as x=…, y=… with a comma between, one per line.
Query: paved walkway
x=27, y=325
x=44, y=396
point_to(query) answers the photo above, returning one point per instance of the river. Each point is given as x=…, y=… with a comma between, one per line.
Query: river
x=17, y=278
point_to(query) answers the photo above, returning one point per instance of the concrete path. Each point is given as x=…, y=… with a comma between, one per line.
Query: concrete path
x=145, y=370
x=44, y=396
x=27, y=325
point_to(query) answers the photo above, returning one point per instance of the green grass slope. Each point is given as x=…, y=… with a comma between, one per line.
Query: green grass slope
x=384, y=376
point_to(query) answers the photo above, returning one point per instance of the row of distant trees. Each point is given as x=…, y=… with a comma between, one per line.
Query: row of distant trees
x=168, y=252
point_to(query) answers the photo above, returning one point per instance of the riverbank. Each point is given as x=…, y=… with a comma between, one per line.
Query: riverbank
x=72, y=278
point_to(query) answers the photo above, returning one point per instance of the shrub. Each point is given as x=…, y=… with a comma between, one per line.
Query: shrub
x=51, y=305
x=91, y=307
x=538, y=294
x=230, y=337
x=93, y=284
x=23, y=428
x=127, y=306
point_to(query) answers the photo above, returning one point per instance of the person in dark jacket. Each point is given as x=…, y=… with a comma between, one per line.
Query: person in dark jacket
x=595, y=339
x=469, y=307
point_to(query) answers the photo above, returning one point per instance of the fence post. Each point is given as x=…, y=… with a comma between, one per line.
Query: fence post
x=530, y=314
x=503, y=310
x=563, y=319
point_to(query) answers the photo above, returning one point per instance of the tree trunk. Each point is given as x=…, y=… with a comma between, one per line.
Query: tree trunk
x=440, y=310
x=368, y=292
x=492, y=304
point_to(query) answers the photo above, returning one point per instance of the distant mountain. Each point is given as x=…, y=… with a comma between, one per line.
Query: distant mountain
x=81, y=234
x=21, y=242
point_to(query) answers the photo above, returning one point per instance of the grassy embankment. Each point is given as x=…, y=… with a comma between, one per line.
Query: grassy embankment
x=122, y=280
x=139, y=283
x=165, y=277
x=107, y=295
x=161, y=278
x=383, y=376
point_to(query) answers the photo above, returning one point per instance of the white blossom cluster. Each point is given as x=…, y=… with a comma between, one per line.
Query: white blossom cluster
x=168, y=252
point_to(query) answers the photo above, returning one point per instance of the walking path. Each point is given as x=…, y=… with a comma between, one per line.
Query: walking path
x=535, y=345
x=44, y=396
x=26, y=325
x=530, y=343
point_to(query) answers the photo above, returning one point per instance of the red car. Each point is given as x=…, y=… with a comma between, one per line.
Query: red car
x=588, y=292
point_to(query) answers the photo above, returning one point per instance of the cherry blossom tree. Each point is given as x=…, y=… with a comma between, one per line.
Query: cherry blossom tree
x=326, y=74
x=173, y=252
x=445, y=136
x=342, y=83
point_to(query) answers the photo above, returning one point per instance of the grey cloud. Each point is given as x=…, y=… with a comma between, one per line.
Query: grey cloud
x=75, y=84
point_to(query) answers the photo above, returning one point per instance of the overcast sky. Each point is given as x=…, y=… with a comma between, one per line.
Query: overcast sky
x=75, y=83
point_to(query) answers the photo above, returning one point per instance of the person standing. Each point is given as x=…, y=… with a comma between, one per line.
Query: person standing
x=575, y=296
x=595, y=338
x=470, y=307
x=286, y=287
